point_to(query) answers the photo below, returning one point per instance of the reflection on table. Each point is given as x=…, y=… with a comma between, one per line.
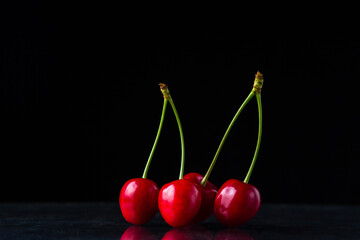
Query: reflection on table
x=194, y=232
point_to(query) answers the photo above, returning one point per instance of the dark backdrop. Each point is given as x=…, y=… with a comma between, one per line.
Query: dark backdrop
x=80, y=103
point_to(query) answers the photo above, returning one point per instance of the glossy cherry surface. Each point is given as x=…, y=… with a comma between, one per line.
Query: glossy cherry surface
x=179, y=202
x=236, y=203
x=208, y=194
x=138, y=200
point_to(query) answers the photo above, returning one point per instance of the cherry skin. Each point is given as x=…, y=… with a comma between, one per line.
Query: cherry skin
x=236, y=203
x=179, y=202
x=208, y=194
x=138, y=200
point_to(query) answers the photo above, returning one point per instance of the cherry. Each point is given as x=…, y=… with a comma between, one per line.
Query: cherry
x=193, y=232
x=138, y=196
x=236, y=203
x=179, y=202
x=137, y=233
x=208, y=193
x=138, y=200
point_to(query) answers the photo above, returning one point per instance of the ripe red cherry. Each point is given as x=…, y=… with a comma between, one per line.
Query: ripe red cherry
x=179, y=202
x=208, y=194
x=236, y=203
x=138, y=200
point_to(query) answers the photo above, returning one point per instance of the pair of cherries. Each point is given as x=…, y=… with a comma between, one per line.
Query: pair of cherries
x=186, y=201
x=180, y=202
x=192, y=198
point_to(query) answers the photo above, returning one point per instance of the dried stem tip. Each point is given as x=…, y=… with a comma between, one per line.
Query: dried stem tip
x=258, y=83
x=165, y=90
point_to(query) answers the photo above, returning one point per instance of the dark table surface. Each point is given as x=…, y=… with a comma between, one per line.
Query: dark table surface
x=104, y=221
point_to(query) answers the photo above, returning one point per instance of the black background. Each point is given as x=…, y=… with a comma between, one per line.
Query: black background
x=80, y=102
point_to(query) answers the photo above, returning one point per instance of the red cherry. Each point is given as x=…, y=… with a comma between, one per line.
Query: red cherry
x=236, y=203
x=138, y=200
x=208, y=194
x=137, y=233
x=179, y=202
x=193, y=232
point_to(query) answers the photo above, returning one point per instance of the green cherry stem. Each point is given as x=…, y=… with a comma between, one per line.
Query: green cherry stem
x=247, y=178
x=156, y=139
x=207, y=175
x=255, y=91
x=165, y=90
x=181, y=139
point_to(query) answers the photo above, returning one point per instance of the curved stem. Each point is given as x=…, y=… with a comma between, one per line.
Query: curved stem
x=206, y=177
x=156, y=139
x=258, y=98
x=181, y=139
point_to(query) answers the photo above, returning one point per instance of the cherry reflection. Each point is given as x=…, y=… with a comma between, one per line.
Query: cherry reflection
x=232, y=234
x=194, y=232
x=137, y=233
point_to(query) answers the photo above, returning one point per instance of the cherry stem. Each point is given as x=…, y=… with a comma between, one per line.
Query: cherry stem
x=258, y=83
x=207, y=175
x=247, y=178
x=181, y=175
x=156, y=139
x=166, y=93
